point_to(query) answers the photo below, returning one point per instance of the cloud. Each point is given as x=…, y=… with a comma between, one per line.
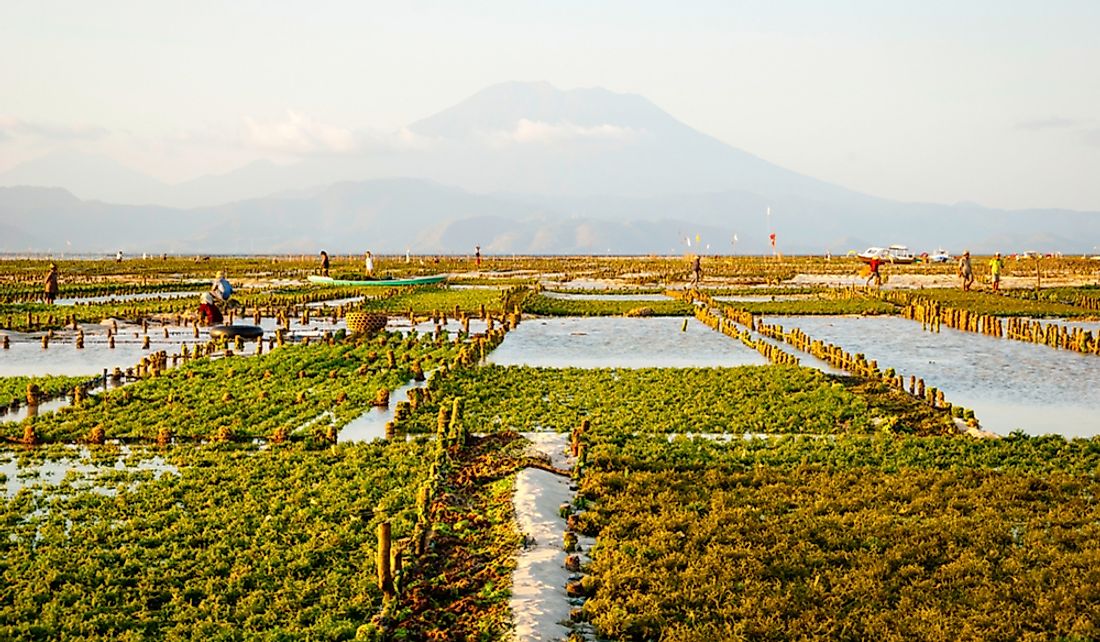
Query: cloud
x=1084, y=131
x=1054, y=122
x=12, y=128
x=300, y=135
x=539, y=132
x=401, y=139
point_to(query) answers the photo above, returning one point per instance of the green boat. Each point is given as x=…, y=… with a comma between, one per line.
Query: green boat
x=386, y=283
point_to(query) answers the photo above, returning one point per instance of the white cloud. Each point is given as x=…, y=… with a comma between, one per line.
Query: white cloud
x=539, y=132
x=300, y=135
x=1054, y=122
x=1091, y=137
x=12, y=128
x=401, y=139
x=1084, y=130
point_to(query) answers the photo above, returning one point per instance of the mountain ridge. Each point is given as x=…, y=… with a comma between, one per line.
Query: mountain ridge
x=394, y=215
x=527, y=167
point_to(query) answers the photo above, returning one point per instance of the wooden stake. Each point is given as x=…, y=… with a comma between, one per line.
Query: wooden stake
x=385, y=570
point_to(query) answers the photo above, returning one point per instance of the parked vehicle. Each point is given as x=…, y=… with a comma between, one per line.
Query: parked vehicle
x=892, y=254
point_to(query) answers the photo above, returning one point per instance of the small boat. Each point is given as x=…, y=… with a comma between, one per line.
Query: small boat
x=232, y=331
x=386, y=283
x=892, y=254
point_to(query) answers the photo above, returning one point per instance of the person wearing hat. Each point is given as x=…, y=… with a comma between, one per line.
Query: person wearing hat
x=221, y=290
x=211, y=302
x=51, y=284
x=208, y=309
x=996, y=264
x=965, y=271
x=368, y=263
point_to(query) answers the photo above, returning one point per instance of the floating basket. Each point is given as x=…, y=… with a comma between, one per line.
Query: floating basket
x=363, y=322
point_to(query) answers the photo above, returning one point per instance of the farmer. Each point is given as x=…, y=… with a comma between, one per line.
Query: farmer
x=996, y=264
x=220, y=289
x=324, y=263
x=696, y=271
x=873, y=271
x=51, y=284
x=369, y=263
x=965, y=271
x=477, y=255
x=208, y=309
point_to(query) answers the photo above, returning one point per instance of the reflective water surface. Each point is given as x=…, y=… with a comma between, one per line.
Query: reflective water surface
x=1009, y=384
x=619, y=342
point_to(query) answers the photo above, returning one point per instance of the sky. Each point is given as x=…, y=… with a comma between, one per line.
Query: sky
x=988, y=101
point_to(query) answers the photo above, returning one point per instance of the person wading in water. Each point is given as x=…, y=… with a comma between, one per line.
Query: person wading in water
x=51, y=284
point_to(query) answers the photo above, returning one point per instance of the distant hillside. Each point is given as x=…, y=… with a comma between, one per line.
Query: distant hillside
x=515, y=137
x=517, y=167
x=390, y=216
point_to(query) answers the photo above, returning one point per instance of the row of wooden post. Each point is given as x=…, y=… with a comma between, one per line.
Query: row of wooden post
x=451, y=432
x=834, y=355
x=931, y=314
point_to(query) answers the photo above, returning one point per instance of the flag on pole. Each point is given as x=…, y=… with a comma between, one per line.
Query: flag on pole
x=772, y=237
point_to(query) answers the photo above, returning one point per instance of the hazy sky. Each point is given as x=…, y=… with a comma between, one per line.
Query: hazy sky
x=994, y=101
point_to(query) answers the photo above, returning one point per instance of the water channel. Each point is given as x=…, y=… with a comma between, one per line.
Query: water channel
x=1010, y=385
x=604, y=296
x=618, y=342
x=16, y=476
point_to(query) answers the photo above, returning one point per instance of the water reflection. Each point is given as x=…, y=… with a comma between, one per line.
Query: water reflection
x=112, y=298
x=371, y=424
x=52, y=472
x=602, y=296
x=618, y=342
x=1009, y=384
x=762, y=298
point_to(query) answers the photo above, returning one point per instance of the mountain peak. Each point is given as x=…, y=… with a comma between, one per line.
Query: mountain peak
x=501, y=107
x=86, y=176
x=30, y=196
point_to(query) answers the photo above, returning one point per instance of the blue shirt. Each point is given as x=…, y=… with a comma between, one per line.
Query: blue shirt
x=222, y=289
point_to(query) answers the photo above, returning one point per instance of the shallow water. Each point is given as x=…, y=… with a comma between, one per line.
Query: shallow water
x=453, y=327
x=26, y=356
x=62, y=358
x=140, y=296
x=371, y=424
x=1093, y=326
x=53, y=471
x=602, y=296
x=762, y=298
x=332, y=303
x=619, y=342
x=25, y=410
x=1009, y=384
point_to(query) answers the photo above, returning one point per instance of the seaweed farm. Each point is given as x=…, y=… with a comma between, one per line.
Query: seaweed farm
x=574, y=448
x=1017, y=386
